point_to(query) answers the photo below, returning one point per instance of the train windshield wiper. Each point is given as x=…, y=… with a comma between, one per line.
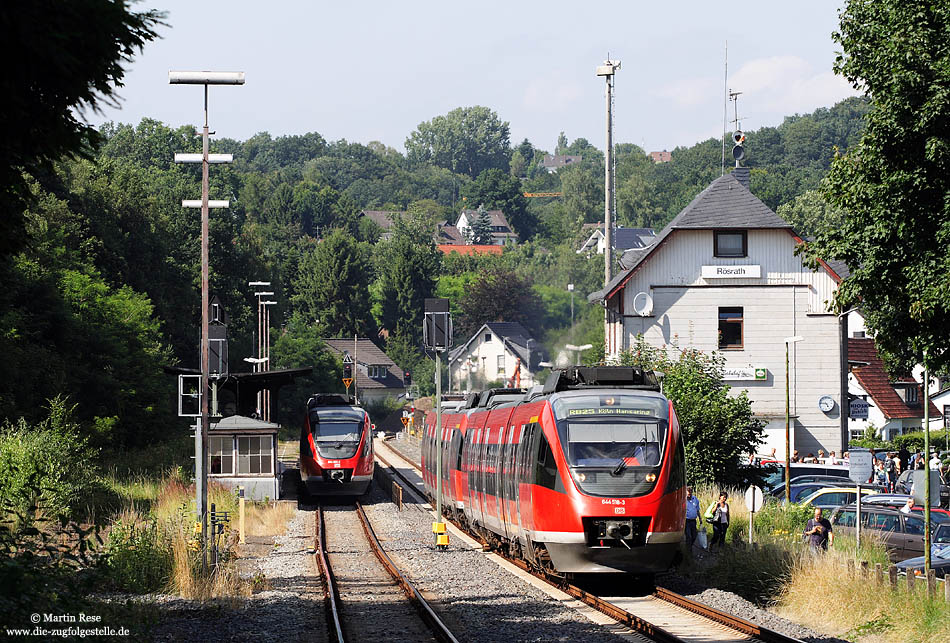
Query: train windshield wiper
x=620, y=467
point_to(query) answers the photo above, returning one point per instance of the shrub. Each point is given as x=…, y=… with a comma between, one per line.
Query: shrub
x=914, y=441
x=50, y=458
x=138, y=557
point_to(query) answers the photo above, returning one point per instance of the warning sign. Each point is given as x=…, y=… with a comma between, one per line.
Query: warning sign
x=347, y=381
x=405, y=420
x=346, y=358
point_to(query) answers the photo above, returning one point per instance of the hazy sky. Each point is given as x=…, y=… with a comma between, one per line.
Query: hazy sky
x=374, y=70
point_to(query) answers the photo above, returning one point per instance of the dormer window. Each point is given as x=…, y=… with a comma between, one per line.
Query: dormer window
x=908, y=393
x=377, y=371
x=730, y=243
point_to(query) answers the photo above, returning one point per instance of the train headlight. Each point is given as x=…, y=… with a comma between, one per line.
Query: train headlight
x=651, y=477
x=581, y=477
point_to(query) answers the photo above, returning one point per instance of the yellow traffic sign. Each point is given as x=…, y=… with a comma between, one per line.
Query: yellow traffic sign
x=405, y=420
x=347, y=381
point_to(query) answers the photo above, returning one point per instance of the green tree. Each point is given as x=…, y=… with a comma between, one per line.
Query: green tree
x=467, y=140
x=719, y=429
x=895, y=184
x=498, y=294
x=479, y=227
x=332, y=286
x=408, y=272
x=76, y=52
x=810, y=213
x=497, y=190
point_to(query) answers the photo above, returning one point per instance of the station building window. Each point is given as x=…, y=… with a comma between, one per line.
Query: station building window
x=730, y=328
x=730, y=243
x=222, y=455
x=254, y=454
x=501, y=363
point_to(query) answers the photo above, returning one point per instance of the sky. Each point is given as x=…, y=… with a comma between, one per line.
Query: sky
x=372, y=70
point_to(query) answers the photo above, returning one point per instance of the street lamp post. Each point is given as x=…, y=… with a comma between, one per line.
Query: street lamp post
x=266, y=410
x=258, y=364
x=204, y=78
x=788, y=455
x=577, y=351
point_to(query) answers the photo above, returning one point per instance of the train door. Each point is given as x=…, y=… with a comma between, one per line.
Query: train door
x=515, y=482
x=504, y=457
x=479, y=493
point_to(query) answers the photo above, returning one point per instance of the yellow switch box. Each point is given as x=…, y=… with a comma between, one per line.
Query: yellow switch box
x=442, y=540
x=438, y=528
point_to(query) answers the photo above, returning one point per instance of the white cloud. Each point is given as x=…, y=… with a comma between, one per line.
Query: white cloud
x=786, y=85
x=550, y=93
x=690, y=92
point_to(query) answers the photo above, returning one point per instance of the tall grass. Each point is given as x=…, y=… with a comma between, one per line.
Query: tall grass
x=820, y=594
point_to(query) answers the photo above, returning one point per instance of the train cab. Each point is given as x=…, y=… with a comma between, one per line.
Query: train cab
x=336, y=447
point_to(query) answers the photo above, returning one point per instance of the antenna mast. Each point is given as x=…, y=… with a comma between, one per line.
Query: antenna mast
x=607, y=70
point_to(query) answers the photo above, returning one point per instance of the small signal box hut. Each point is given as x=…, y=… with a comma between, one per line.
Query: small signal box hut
x=243, y=452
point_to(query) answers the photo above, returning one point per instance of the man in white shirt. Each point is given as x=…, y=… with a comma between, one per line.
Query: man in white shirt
x=908, y=506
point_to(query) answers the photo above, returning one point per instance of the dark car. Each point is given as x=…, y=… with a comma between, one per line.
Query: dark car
x=799, y=491
x=939, y=562
x=902, y=534
x=826, y=480
x=904, y=484
x=898, y=500
x=775, y=472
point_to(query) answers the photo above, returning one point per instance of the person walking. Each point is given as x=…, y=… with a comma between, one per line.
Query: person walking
x=720, y=520
x=692, y=513
x=819, y=532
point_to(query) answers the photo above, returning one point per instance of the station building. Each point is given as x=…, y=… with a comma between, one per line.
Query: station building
x=723, y=276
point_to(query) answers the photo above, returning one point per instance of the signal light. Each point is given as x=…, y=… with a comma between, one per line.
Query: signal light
x=407, y=377
x=348, y=371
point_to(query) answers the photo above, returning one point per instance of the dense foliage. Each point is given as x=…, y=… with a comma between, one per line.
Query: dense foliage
x=719, y=429
x=895, y=184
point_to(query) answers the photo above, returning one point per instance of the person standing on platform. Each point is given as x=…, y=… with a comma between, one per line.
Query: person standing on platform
x=692, y=513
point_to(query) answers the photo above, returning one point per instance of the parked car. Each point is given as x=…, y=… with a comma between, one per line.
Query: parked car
x=779, y=489
x=939, y=562
x=776, y=472
x=941, y=535
x=834, y=497
x=799, y=491
x=898, y=500
x=904, y=484
x=902, y=534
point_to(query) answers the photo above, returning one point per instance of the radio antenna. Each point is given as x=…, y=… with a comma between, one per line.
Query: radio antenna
x=725, y=102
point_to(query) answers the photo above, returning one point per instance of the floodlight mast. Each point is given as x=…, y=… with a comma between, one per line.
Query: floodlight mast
x=204, y=78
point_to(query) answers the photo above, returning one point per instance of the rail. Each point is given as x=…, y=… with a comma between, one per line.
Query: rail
x=429, y=615
x=618, y=613
x=334, y=622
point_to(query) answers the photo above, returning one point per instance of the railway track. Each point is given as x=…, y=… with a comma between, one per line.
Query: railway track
x=367, y=596
x=664, y=616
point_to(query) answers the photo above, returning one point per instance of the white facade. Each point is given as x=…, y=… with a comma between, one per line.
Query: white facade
x=889, y=427
x=785, y=299
x=487, y=358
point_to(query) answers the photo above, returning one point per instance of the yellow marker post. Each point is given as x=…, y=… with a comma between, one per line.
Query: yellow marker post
x=441, y=535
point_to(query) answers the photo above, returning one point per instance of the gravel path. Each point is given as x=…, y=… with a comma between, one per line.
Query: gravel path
x=290, y=609
x=373, y=606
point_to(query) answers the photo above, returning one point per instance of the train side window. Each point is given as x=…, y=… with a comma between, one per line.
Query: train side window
x=546, y=470
x=677, y=479
x=457, y=448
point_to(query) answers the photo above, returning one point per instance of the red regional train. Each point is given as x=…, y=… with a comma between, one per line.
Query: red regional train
x=336, y=447
x=586, y=474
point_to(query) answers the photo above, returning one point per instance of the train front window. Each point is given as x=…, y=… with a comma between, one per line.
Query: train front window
x=596, y=443
x=336, y=434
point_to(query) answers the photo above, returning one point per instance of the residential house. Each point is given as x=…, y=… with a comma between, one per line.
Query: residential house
x=555, y=162
x=661, y=157
x=377, y=377
x=384, y=219
x=468, y=249
x=501, y=232
x=495, y=353
x=892, y=405
x=623, y=239
x=723, y=276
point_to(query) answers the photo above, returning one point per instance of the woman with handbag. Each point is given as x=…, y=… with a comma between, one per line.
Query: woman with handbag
x=720, y=520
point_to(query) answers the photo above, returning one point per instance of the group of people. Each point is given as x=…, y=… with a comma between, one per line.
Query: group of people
x=887, y=470
x=817, y=531
x=717, y=514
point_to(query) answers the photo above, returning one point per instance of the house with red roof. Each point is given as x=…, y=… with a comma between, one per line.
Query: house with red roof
x=891, y=404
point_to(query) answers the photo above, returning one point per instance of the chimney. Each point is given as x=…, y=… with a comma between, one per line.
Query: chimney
x=742, y=176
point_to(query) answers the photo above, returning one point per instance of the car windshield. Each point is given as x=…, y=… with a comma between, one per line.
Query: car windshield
x=943, y=553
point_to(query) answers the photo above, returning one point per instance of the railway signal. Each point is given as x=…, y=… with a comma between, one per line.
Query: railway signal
x=437, y=334
x=347, y=371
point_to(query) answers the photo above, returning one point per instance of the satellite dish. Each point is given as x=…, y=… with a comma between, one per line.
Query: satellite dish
x=643, y=304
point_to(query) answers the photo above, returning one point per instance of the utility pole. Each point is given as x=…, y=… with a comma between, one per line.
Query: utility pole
x=204, y=78
x=607, y=70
